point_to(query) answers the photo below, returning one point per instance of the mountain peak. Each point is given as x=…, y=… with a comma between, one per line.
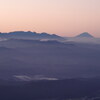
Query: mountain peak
x=85, y=34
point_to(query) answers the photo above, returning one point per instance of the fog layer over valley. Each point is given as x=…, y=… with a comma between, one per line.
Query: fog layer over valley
x=48, y=59
x=49, y=67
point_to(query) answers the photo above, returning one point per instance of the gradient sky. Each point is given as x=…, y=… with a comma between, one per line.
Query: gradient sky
x=62, y=17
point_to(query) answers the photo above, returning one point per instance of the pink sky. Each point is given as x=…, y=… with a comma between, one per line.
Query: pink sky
x=62, y=17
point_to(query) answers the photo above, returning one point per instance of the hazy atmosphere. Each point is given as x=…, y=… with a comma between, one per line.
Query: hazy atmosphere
x=49, y=50
x=62, y=17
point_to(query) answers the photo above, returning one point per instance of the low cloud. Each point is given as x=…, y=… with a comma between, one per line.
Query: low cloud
x=3, y=39
x=30, y=78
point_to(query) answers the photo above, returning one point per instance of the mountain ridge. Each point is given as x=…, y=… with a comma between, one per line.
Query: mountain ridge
x=29, y=34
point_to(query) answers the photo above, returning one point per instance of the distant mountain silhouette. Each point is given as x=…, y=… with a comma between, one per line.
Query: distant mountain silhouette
x=85, y=34
x=30, y=35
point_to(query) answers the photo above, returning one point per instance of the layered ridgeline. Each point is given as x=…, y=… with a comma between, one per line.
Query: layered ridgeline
x=30, y=35
x=83, y=37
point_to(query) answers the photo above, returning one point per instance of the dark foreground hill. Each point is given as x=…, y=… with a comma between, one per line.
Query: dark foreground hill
x=52, y=90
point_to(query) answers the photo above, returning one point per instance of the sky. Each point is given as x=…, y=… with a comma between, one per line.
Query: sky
x=62, y=17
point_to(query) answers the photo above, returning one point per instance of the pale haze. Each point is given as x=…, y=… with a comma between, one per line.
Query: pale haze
x=62, y=17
